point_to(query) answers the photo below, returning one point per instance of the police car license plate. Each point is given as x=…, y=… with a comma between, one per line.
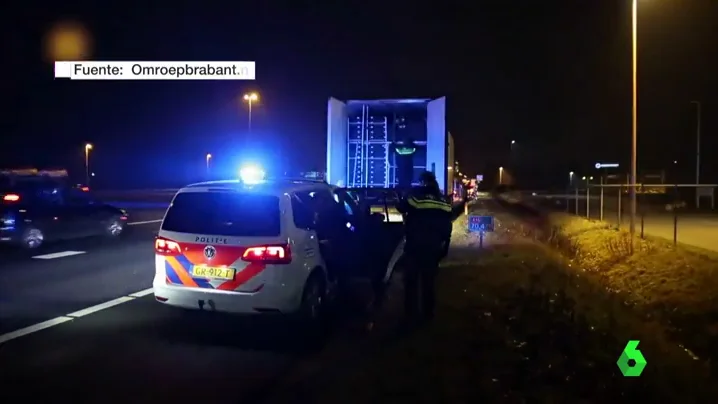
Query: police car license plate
x=202, y=271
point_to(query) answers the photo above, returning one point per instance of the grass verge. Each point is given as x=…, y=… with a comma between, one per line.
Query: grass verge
x=677, y=285
x=514, y=324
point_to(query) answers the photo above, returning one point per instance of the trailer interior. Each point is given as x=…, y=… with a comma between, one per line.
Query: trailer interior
x=386, y=143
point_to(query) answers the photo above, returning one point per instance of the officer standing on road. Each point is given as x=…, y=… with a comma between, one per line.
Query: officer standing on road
x=427, y=226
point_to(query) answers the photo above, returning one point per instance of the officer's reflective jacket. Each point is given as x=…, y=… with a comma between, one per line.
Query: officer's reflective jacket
x=427, y=221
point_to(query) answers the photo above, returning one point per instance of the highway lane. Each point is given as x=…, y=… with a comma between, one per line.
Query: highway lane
x=142, y=350
x=104, y=343
x=68, y=276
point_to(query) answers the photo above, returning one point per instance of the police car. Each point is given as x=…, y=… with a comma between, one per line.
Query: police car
x=250, y=246
x=38, y=206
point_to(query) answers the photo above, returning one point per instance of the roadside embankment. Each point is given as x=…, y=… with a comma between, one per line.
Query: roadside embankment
x=514, y=324
x=675, y=286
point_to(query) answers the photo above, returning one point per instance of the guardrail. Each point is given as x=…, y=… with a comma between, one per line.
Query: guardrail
x=137, y=198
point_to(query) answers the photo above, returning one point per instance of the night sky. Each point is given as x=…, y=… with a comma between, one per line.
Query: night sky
x=555, y=76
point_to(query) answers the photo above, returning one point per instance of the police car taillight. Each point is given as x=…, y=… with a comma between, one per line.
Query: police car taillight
x=167, y=247
x=11, y=198
x=268, y=254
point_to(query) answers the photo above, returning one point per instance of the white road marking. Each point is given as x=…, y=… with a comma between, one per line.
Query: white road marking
x=144, y=222
x=101, y=306
x=61, y=254
x=33, y=328
x=72, y=316
x=141, y=293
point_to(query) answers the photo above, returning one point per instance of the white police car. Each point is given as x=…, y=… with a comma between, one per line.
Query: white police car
x=249, y=246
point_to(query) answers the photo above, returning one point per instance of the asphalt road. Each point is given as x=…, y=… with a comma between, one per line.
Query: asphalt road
x=78, y=321
x=86, y=328
x=65, y=277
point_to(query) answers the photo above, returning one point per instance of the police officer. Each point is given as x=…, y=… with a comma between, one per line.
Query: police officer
x=427, y=226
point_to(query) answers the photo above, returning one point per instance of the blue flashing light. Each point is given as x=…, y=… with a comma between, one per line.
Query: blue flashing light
x=251, y=174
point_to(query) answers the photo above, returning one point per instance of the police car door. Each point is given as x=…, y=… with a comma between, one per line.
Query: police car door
x=353, y=237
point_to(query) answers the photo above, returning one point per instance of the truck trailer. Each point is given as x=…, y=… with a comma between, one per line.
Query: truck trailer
x=388, y=143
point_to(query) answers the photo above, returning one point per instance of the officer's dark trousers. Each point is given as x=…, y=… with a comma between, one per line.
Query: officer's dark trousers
x=420, y=271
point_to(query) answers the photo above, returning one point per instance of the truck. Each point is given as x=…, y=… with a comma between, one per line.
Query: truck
x=388, y=143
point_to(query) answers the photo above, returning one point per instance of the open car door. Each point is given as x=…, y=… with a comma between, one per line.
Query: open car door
x=380, y=230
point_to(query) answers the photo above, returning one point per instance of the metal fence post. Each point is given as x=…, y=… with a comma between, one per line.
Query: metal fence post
x=600, y=214
x=675, y=215
x=620, y=193
x=643, y=211
x=576, y=198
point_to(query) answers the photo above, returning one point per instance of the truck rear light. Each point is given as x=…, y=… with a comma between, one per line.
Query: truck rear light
x=268, y=254
x=167, y=247
x=11, y=198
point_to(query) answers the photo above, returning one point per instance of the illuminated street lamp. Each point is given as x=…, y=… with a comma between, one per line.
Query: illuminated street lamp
x=250, y=98
x=588, y=196
x=570, y=178
x=501, y=175
x=88, y=147
x=67, y=40
x=209, y=157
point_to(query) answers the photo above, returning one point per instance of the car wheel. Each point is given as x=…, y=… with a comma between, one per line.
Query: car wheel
x=115, y=227
x=311, y=315
x=32, y=238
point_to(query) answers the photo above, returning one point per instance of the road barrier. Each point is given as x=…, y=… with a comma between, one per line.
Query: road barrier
x=137, y=199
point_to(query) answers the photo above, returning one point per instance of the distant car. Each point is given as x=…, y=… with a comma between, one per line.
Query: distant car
x=35, y=211
x=252, y=247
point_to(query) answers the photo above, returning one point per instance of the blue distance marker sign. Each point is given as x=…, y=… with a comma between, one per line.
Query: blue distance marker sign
x=481, y=224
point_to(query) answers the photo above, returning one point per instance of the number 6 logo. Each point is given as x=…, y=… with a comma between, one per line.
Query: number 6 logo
x=631, y=362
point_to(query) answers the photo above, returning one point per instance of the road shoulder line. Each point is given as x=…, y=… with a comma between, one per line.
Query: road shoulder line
x=72, y=316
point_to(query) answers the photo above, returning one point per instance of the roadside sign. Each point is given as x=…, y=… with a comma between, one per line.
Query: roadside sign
x=481, y=224
x=606, y=165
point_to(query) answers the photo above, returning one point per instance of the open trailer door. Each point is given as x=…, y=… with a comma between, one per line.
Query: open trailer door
x=436, y=142
x=336, y=142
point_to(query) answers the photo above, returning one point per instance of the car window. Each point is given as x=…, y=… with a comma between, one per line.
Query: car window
x=224, y=214
x=347, y=202
x=302, y=213
x=44, y=196
x=323, y=202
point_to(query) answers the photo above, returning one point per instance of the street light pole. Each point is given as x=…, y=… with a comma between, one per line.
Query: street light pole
x=698, y=151
x=250, y=98
x=209, y=156
x=249, y=120
x=88, y=147
x=634, y=129
x=501, y=175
